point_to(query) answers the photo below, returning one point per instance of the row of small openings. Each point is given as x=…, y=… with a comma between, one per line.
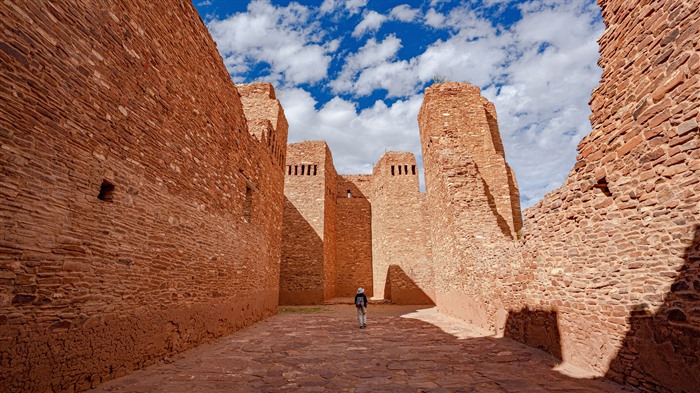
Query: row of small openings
x=405, y=169
x=305, y=170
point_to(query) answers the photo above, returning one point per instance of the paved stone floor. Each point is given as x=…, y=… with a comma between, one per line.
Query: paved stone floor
x=321, y=349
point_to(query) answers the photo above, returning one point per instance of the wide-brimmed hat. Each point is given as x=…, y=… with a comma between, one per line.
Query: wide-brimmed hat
x=360, y=290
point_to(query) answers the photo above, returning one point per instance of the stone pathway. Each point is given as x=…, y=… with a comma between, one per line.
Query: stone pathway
x=321, y=349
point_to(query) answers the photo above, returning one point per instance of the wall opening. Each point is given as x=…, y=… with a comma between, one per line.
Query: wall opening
x=314, y=170
x=296, y=168
x=290, y=169
x=413, y=169
x=405, y=169
x=602, y=185
x=106, y=191
x=349, y=194
x=392, y=170
x=302, y=169
x=248, y=204
x=399, y=169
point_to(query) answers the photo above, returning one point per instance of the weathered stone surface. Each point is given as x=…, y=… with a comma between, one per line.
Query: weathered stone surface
x=139, y=217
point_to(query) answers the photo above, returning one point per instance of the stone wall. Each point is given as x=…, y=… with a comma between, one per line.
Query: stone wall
x=400, y=239
x=139, y=217
x=615, y=248
x=308, y=220
x=472, y=219
x=354, y=235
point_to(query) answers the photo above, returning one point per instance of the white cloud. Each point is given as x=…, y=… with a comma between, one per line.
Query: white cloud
x=356, y=138
x=404, y=13
x=539, y=72
x=282, y=38
x=352, y=7
x=435, y=19
x=371, y=21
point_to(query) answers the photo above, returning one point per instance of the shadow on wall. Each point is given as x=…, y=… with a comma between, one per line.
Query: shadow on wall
x=665, y=347
x=401, y=289
x=301, y=265
x=536, y=328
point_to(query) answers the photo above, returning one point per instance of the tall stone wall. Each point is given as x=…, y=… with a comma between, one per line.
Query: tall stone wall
x=138, y=216
x=472, y=223
x=308, y=225
x=354, y=235
x=402, y=264
x=615, y=249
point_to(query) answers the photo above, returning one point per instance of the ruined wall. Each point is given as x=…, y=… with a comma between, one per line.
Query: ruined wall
x=138, y=216
x=265, y=116
x=476, y=264
x=400, y=238
x=306, y=224
x=614, y=250
x=329, y=225
x=354, y=235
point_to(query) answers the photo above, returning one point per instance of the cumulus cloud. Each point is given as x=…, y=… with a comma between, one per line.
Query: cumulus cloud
x=357, y=138
x=352, y=7
x=371, y=21
x=404, y=13
x=539, y=71
x=282, y=38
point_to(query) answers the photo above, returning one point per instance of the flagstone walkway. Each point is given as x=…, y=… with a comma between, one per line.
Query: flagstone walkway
x=321, y=349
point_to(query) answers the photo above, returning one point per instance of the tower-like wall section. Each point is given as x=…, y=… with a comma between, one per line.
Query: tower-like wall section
x=402, y=265
x=354, y=235
x=470, y=213
x=308, y=186
x=138, y=216
x=615, y=249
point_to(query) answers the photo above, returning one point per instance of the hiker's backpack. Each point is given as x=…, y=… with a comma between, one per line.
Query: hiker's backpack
x=359, y=301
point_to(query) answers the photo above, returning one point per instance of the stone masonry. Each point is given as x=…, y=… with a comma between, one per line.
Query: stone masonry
x=139, y=217
x=148, y=205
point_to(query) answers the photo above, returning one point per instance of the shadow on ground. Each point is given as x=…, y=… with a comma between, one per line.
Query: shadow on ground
x=401, y=350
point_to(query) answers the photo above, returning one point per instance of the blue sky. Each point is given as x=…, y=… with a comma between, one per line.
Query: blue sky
x=352, y=72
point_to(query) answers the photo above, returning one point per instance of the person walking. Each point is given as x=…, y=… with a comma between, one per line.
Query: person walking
x=361, y=304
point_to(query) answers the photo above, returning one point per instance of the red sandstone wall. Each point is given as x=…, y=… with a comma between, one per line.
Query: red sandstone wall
x=402, y=265
x=305, y=253
x=136, y=96
x=354, y=235
x=475, y=257
x=329, y=227
x=615, y=249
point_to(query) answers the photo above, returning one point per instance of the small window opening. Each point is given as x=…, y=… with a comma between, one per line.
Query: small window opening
x=405, y=169
x=314, y=170
x=302, y=170
x=392, y=170
x=399, y=169
x=349, y=194
x=289, y=169
x=296, y=168
x=248, y=204
x=106, y=191
x=413, y=169
x=602, y=185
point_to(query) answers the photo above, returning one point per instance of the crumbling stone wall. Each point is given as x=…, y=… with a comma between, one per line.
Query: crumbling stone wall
x=308, y=265
x=138, y=216
x=472, y=217
x=400, y=239
x=354, y=235
x=614, y=250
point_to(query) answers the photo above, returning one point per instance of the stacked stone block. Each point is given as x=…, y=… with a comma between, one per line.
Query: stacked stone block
x=354, y=235
x=615, y=247
x=470, y=204
x=308, y=246
x=138, y=216
x=400, y=240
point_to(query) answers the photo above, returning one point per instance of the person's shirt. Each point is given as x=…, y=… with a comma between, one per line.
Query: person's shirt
x=364, y=298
